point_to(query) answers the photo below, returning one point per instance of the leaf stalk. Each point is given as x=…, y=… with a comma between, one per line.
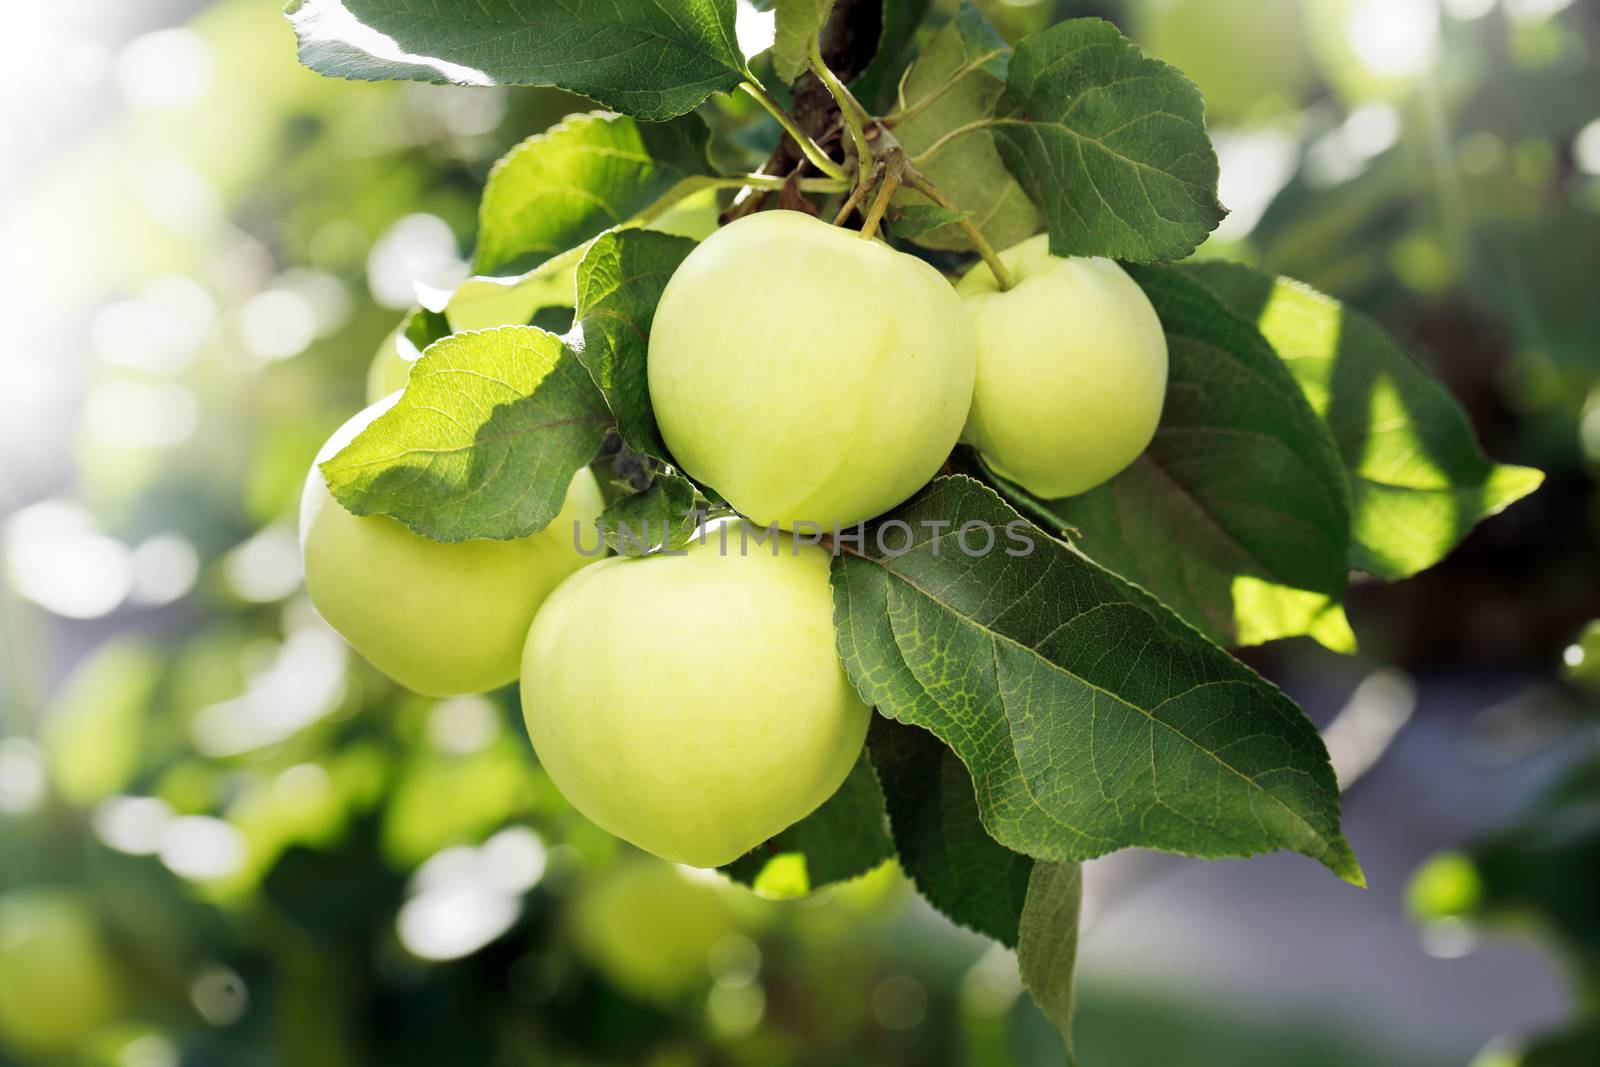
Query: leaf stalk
x=918, y=181
x=812, y=150
x=855, y=116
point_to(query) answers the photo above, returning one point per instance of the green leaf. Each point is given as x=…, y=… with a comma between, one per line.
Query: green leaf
x=797, y=25
x=663, y=516
x=896, y=34
x=1047, y=952
x=483, y=443
x=559, y=188
x=1023, y=903
x=652, y=59
x=391, y=367
x=1236, y=516
x=914, y=220
x=1111, y=145
x=1090, y=717
x=483, y=302
x=619, y=284
x=955, y=81
x=843, y=839
x=1576, y=1046
x=969, y=877
x=1418, y=479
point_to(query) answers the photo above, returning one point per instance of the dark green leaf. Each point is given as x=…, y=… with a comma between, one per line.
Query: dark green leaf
x=843, y=839
x=955, y=81
x=958, y=868
x=653, y=59
x=1236, y=516
x=1090, y=717
x=1578, y=1046
x=422, y=327
x=897, y=31
x=797, y=24
x=391, y=367
x=483, y=443
x=1418, y=479
x=559, y=188
x=914, y=220
x=1111, y=145
x=663, y=516
x=619, y=284
x=1047, y=950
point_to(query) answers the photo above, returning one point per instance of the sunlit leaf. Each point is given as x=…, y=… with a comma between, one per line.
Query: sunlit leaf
x=561, y=187
x=1418, y=479
x=796, y=27
x=483, y=443
x=483, y=302
x=1236, y=516
x=653, y=59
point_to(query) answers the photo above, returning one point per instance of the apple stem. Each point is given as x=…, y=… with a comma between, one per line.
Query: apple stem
x=919, y=181
x=893, y=167
x=812, y=150
x=858, y=194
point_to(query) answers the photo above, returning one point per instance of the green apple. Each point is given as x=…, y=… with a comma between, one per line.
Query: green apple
x=806, y=374
x=390, y=369
x=650, y=928
x=437, y=618
x=1072, y=369
x=694, y=704
x=58, y=979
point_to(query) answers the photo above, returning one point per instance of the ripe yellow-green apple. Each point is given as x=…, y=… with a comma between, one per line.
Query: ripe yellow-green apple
x=806, y=374
x=694, y=704
x=1072, y=369
x=58, y=979
x=438, y=618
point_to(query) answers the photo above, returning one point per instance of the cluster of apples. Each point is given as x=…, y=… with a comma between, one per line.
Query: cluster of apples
x=694, y=703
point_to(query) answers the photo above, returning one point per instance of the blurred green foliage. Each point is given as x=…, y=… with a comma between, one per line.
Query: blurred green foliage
x=225, y=840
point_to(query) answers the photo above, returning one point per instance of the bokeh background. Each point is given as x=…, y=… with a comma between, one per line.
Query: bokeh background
x=239, y=845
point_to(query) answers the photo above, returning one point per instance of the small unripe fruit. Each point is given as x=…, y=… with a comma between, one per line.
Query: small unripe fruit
x=806, y=374
x=694, y=705
x=1072, y=369
x=58, y=980
x=650, y=928
x=438, y=618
